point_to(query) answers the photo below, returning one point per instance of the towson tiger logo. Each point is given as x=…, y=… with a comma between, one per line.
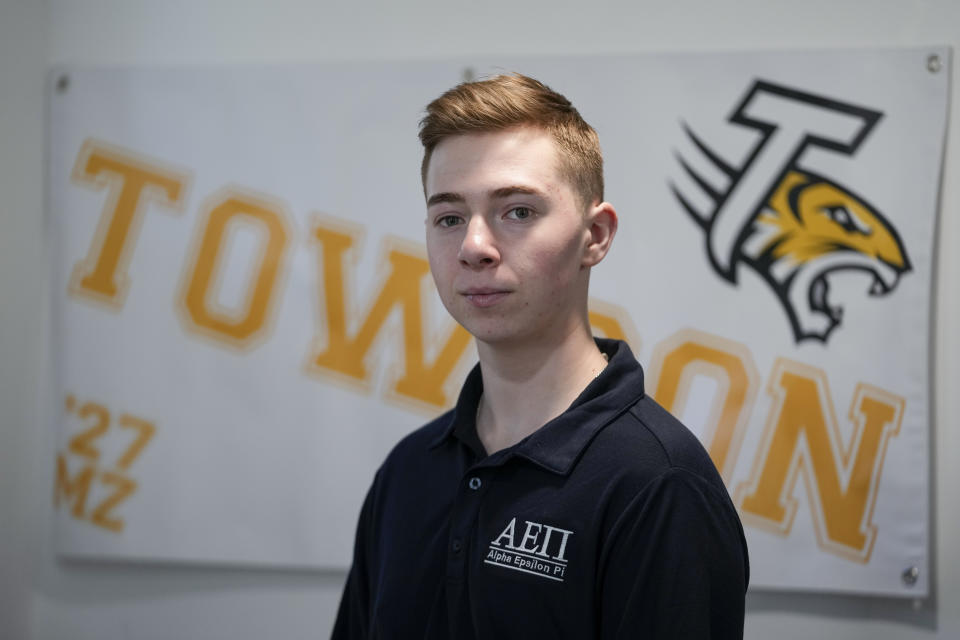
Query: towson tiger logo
x=795, y=227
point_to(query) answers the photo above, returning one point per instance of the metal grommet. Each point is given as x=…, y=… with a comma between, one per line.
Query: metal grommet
x=910, y=575
x=474, y=483
x=933, y=63
x=456, y=546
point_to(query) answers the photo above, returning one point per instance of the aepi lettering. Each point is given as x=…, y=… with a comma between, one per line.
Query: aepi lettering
x=537, y=539
x=538, y=549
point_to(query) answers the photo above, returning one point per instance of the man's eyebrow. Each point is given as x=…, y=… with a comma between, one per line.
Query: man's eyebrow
x=502, y=192
x=444, y=196
x=506, y=192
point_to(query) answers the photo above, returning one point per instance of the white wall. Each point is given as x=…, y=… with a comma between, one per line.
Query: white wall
x=23, y=54
x=41, y=598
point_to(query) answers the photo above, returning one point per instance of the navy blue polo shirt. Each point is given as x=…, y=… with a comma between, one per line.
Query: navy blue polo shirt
x=610, y=521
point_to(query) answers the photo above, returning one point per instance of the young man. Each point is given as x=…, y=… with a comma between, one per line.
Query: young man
x=556, y=500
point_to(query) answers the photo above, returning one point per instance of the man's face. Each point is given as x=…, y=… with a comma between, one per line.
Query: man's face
x=506, y=237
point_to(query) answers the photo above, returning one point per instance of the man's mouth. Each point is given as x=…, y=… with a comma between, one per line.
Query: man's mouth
x=484, y=297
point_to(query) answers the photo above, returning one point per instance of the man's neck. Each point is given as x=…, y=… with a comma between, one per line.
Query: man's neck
x=526, y=386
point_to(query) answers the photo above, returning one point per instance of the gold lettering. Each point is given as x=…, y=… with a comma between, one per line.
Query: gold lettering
x=802, y=438
x=124, y=487
x=145, y=431
x=690, y=353
x=347, y=355
x=77, y=488
x=81, y=444
x=225, y=213
x=132, y=182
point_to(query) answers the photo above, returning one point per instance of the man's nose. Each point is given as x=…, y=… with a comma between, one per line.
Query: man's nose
x=479, y=247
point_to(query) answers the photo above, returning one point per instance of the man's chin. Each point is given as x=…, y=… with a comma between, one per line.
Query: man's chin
x=503, y=336
x=491, y=333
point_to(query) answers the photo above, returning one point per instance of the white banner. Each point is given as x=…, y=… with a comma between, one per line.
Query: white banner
x=245, y=322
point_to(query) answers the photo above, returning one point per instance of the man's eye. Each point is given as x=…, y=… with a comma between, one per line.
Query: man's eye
x=448, y=221
x=519, y=213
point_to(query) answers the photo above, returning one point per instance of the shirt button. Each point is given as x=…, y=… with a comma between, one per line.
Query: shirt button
x=456, y=546
x=474, y=483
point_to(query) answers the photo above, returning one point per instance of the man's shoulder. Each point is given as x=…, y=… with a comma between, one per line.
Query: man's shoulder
x=654, y=462
x=646, y=442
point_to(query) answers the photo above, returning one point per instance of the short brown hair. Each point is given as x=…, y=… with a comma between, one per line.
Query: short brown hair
x=506, y=101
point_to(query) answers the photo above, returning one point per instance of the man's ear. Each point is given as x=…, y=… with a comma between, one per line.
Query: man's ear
x=601, y=226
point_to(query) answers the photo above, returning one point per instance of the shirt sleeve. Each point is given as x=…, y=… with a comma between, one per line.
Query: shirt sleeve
x=675, y=565
x=353, y=617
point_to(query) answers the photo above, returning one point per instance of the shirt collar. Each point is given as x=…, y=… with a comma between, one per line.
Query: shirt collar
x=556, y=445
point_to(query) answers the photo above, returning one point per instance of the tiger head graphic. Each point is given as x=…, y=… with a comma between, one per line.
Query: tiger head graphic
x=811, y=229
x=794, y=227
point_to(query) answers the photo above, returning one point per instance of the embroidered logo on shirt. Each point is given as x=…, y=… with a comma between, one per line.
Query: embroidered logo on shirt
x=538, y=549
